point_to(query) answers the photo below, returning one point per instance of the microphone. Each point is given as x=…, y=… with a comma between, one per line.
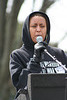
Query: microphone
x=39, y=39
x=39, y=44
x=38, y=48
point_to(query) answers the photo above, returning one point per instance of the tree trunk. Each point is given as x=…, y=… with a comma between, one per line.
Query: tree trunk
x=8, y=26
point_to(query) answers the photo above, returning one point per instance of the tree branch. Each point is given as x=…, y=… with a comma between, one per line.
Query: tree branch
x=46, y=4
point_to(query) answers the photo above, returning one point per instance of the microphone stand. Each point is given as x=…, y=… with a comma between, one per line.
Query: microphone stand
x=55, y=59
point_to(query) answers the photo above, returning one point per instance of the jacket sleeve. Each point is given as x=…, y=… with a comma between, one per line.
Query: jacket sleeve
x=61, y=56
x=19, y=70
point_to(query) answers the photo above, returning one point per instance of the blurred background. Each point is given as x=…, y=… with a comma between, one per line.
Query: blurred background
x=12, y=16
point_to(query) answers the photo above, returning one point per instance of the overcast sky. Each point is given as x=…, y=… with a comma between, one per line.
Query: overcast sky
x=58, y=18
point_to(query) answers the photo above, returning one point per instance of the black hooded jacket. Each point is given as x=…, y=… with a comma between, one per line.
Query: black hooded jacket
x=21, y=63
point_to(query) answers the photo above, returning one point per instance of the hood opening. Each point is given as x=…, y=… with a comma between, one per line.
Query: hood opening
x=27, y=41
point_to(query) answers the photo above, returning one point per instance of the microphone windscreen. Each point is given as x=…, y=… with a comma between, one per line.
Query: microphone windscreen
x=39, y=39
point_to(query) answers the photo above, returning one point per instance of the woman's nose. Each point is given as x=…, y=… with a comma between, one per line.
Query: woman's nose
x=38, y=28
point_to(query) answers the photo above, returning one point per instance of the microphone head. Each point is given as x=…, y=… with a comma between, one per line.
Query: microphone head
x=39, y=39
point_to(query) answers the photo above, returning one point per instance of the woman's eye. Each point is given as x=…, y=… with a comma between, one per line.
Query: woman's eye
x=34, y=26
x=42, y=26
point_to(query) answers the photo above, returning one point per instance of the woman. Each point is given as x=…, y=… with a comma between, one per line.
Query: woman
x=30, y=59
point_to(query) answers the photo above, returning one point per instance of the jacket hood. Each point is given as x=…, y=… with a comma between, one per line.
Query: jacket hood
x=26, y=38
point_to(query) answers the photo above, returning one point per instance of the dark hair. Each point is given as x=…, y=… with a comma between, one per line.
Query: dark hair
x=37, y=14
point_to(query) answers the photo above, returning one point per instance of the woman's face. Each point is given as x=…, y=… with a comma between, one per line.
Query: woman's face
x=38, y=27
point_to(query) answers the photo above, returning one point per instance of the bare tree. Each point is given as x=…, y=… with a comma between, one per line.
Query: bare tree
x=8, y=24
